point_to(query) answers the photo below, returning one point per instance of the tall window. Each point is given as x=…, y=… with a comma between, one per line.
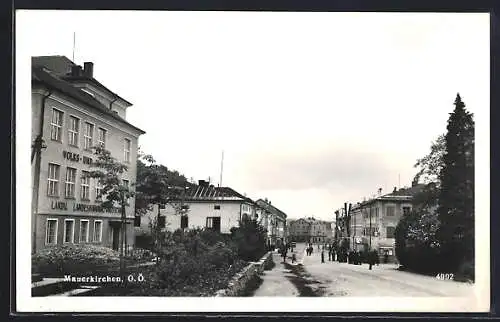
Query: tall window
x=101, y=139
x=85, y=187
x=126, y=150
x=53, y=180
x=390, y=232
x=389, y=211
x=98, y=190
x=126, y=184
x=56, y=125
x=88, y=136
x=162, y=222
x=73, y=131
x=184, y=221
x=97, y=231
x=69, y=230
x=84, y=231
x=51, y=232
x=70, y=183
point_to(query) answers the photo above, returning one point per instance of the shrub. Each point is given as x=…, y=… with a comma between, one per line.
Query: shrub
x=249, y=240
x=190, y=265
x=71, y=258
x=417, y=246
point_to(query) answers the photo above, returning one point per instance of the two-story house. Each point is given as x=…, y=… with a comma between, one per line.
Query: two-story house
x=275, y=222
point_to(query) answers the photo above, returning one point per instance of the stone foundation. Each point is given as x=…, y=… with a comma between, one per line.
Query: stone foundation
x=241, y=281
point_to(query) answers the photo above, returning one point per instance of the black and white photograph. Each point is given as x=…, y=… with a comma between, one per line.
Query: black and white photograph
x=241, y=161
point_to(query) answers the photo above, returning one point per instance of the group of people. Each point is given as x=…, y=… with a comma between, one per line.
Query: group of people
x=284, y=251
x=355, y=257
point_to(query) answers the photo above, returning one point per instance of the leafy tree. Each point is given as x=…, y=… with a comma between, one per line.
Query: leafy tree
x=456, y=199
x=108, y=172
x=431, y=165
x=157, y=185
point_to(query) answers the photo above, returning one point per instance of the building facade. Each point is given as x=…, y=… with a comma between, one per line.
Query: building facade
x=373, y=222
x=299, y=230
x=71, y=113
x=274, y=221
x=311, y=230
x=202, y=206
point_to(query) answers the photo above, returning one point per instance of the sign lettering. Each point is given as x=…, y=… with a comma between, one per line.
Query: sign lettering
x=76, y=157
x=61, y=205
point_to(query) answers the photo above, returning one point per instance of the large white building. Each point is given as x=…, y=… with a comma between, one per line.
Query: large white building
x=205, y=206
x=71, y=112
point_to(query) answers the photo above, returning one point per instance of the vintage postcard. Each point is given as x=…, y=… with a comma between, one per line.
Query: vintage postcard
x=252, y=161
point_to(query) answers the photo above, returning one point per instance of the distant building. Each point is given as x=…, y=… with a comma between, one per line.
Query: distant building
x=273, y=220
x=202, y=206
x=311, y=230
x=72, y=112
x=382, y=214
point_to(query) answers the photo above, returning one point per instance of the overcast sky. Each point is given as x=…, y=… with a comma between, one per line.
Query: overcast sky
x=311, y=109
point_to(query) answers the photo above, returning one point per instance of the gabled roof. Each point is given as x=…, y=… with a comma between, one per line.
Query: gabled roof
x=61, y=66
x=270, y=207
x=211, y=193
x=42, y=76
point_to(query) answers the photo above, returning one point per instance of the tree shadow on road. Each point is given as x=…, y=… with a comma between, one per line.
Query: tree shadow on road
x=302, y=281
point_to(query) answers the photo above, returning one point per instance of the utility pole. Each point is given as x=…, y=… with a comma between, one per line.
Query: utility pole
x=36, y=155
x=371, y=227
x=158, y=246
x=122, y=244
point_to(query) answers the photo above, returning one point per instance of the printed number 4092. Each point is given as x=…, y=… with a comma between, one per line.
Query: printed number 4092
x=442, y=276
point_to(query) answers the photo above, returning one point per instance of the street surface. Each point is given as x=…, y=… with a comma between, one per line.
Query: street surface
x=310, y=277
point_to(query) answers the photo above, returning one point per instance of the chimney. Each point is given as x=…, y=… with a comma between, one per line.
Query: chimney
x=395, y=189
x=202, y=183
x=379, y=192
x=88, y=69
x=76, y=70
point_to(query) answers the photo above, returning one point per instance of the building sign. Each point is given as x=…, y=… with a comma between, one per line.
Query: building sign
x=76, y=157
x=61, y=205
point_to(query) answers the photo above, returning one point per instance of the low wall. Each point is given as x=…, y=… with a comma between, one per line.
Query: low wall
x=241, y=281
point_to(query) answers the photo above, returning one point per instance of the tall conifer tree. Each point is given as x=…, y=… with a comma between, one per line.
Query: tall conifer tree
x=456, y=198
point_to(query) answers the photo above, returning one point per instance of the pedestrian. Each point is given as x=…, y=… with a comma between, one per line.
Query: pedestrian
x=329, y=255
x=322, y=256
x=371, y=260
x=294, y=258
x=284, y=254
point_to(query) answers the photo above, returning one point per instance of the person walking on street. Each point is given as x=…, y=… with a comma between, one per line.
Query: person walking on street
x=283, y=253
x=371, y=260
x=294, y=258
x=322, y=256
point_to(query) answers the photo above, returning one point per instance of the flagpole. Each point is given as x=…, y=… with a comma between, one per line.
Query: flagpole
x=74, y=41
x=221, y=168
